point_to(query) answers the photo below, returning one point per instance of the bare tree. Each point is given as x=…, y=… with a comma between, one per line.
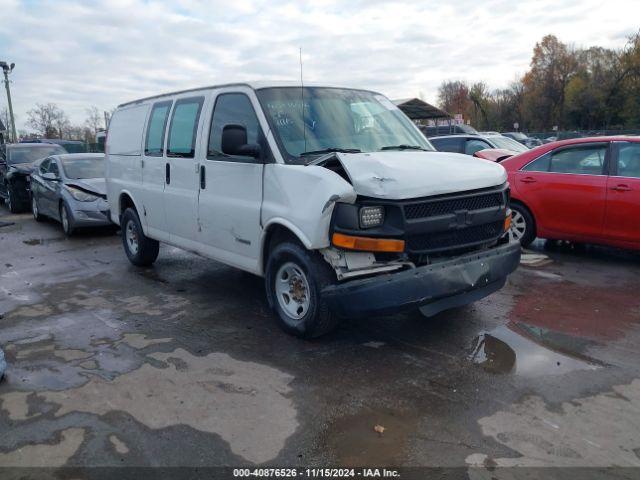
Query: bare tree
x=48, y=120
x=95, y=120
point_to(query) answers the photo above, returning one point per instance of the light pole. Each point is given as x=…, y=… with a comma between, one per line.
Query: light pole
x=7, y=69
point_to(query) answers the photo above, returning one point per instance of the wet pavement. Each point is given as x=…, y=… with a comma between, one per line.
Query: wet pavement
x=182, y=364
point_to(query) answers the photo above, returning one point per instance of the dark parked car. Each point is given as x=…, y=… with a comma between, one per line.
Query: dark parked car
x=470, y=144
x=527, y=141
x=431, y=131
x=16, y=164
x=71, y=146
x=71, y=189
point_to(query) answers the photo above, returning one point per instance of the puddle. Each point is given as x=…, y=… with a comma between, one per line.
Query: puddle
x=43, y=241
x=354, y=441
x=530, y=351
x=598, y=313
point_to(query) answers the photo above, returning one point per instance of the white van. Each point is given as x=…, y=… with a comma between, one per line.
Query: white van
x=332, y=194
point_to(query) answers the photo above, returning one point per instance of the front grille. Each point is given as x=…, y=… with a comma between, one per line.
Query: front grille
x=449, y=239
x=448, y=206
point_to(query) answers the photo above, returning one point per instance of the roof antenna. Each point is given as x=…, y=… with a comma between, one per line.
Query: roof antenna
x=304, y=124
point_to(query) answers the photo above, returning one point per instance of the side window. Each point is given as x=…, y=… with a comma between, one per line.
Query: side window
x=184, y=126
x=447, y=144
x=232, y=109
x=540, y=164
x=588, y=160
x=629, y=160
x=44, y=166
x=473, y=145
x=154, y=144
x=53, y=168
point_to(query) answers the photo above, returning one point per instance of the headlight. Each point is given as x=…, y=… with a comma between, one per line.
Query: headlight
x=80, y=195
x=371, y=217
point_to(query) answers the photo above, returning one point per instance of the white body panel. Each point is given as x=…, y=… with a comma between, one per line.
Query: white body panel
x=123, y=156
x=229, y=219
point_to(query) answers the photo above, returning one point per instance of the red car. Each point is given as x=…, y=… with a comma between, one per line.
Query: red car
x=581, y=190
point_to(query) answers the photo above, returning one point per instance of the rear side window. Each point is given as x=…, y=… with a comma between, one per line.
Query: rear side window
x=53, y=168
x=154, y=145
x=579, y=160
x=629, y=160
x=44, y=166
x=232, y=109
x=184, y=124
x=474, y=145
x=447, y=144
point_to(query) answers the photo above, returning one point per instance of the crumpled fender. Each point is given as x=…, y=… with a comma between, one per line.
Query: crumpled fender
x=302, y=199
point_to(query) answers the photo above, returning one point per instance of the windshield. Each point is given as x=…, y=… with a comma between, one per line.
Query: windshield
x=31, y=153
x=338, y=119
x=508, y=144
x=83, y=167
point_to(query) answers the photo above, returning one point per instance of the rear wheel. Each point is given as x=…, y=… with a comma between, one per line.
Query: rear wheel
x=294, y=281
x=35, y=210
x=523, y=226
x=141, y=250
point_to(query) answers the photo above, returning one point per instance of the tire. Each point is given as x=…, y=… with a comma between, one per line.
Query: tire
x=141, y=250
x=12, y=203
x=523, y=225
x=66, y=220
x=294, y=271
x=35, y=210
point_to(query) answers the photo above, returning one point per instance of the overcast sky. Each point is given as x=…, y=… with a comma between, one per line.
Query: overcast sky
x=81, y=53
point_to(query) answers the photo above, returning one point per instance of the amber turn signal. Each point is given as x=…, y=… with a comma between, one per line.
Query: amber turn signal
x=367, y=244
x=507, y=222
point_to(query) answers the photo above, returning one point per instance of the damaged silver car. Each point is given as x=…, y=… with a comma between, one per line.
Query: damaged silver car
x=70, y=189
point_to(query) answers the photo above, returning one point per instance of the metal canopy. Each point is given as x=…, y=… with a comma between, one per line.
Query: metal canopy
x=417, y=109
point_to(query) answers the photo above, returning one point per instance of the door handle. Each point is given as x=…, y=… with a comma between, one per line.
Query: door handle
x=167, y=173
x=203, y=178
x=621, y=188
x=528, y=180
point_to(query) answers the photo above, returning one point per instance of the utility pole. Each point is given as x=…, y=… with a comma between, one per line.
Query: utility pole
x=7, y=69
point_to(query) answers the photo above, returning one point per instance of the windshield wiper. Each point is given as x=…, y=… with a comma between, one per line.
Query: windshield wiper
x=330, y=150
x=404, y=147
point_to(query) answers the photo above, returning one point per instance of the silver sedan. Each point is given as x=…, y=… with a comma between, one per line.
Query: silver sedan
x=71, y=189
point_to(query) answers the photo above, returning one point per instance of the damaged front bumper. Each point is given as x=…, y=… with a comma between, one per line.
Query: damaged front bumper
x=432, y=288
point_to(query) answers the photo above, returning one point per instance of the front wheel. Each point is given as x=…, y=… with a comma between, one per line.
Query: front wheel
x=523, y=227
x=141, y=250
x=12, y=200
x=294, y=281
x=66, y=220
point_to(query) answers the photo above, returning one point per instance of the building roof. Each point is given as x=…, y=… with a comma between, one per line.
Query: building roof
x=417, y=109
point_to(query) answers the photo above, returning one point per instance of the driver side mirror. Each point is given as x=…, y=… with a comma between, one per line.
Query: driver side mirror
x=50, y=176
x=234, y=142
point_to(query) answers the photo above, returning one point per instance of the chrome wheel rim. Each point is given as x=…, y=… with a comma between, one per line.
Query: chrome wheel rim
x=131, y=236
x=518, y=226
x=292, y=290
x=65, y=219
x=34, y=207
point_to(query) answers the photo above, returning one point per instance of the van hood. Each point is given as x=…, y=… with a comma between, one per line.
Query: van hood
x=399, y=175
x=94, y=185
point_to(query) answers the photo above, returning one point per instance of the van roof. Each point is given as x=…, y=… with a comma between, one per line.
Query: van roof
x=254, y=85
